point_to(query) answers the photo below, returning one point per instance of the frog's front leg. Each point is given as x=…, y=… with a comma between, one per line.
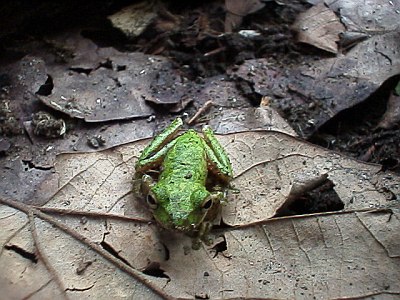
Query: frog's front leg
x=205, y=227
x=154, y=153
x=217, y=156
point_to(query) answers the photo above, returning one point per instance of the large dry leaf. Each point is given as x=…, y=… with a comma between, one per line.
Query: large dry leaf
x=91, y=238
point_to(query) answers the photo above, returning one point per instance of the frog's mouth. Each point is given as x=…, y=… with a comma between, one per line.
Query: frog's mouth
x=181, y=222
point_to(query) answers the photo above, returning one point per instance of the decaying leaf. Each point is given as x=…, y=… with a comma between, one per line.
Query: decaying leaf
x=319, y=26
x=89, y=238
x=314, y=91
x=79, y=139
x=244, y=119
x=369, y=16
x=332, y=84
x=392, y=114
x=236, y=10
x=108, y=92
x=134, y=19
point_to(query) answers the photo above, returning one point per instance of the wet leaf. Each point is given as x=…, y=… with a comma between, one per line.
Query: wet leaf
x=90, y=238
x=331, y=84
x=79, y=140
x=315, y=91
x=105, y=93
x=369, y=16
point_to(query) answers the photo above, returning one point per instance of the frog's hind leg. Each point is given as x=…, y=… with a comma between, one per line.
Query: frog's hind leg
x=143, y=165
x=152, y=155
x=218, y=159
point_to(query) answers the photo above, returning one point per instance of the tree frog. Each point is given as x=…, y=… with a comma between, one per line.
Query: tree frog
x=184, y=179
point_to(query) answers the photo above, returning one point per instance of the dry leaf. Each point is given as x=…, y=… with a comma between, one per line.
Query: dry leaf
x=319, y=26
x=134, y=19
x=90, y=238
x=244, y=119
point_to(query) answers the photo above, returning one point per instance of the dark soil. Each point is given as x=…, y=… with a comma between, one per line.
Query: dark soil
x=354, y=132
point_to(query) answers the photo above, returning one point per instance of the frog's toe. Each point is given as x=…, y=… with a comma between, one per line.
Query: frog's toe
x=208, y=240
x=196, y=243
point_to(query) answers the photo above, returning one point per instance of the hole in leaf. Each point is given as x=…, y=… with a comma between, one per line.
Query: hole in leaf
x=25, y=254
x=107, y=64
x=82, y=70
x=46, y=88
x=221, y=225
x=153, y=269
x=315, y=196
x=166, y=250
x=114, y=253
x=121, y=68
x=28, y=165
x=220, y=246
x=389, y=163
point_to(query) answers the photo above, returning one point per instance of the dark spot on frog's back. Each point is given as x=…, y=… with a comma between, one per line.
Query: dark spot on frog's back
x=188, y=175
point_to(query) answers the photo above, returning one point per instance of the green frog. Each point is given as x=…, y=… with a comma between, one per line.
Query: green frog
x=184, y=179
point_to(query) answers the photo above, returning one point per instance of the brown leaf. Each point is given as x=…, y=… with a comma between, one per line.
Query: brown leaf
x=90, y=235
x=392, y=114
x=331, y=84
x=261, y=118
x=105, y=93
x=134, y=19
x=243, y=8
x=237, y=9
x=79, y=139
x=319, y=26
x=368, y=17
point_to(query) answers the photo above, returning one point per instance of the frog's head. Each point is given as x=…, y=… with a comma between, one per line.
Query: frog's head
x=182, y=208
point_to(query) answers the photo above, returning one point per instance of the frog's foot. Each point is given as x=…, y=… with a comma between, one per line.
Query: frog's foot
x=196, y=243
x=146, y=183
x=204, y=230
x=219, y=196
x=207, y=240
x=137, y=188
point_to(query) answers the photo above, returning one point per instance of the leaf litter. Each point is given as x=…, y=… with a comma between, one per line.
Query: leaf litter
x=77, y=231
x=93, y=201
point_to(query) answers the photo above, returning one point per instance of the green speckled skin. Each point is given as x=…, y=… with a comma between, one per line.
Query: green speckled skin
x=180, y=191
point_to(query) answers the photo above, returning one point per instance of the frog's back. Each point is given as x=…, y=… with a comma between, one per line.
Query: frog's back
x=186, y=160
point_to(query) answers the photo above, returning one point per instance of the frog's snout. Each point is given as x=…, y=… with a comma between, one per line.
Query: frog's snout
x=185, y=228
x=181, y=221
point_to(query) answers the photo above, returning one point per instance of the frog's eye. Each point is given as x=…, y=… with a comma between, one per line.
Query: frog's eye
x=207, y=203
x=151, y=201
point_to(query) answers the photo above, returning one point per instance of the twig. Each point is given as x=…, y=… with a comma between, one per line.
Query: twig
x=92, y=214
x=39, y=253
x=321, y=214
x=215, y=51
x=86, y=241
x=202, y=109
